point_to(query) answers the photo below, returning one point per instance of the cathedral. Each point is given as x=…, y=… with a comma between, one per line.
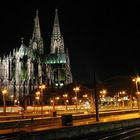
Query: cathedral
x=28, y=66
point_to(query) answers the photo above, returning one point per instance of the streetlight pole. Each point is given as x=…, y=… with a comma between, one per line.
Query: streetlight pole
x=136, y=80
x=122, y=94
x=37, y=99
x=76, y=89
x=53, y=104
x=4, y=92
x=76, y=100
x=96, y=99
x=42, y=87
x=102, y=96
x=12, y=97
x=66, y=100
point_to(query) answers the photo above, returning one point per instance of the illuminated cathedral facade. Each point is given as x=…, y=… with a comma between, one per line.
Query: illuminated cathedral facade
x=28, y=66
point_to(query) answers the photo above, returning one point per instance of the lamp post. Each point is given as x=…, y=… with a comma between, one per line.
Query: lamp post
x=12, y=97
x=66, y=100
x=137, y=80
x=102, y=96
x=42, y=87
x=56, y=100
x=37, y=98
x=96, y=97
x=15, y=102
x=122, y=94
x=4, y=92
x=76, y=90
x=53, y=103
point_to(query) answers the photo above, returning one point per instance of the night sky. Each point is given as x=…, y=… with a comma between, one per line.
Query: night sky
x=102, y=36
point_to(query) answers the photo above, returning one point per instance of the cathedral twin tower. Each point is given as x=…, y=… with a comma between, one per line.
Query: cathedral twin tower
x=27, y=67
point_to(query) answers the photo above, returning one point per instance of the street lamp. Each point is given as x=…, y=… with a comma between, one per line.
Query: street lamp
x=4, y=92
x=66, y=100
x=37, y=97
x=122, y=94
x=102, y=95
x=137, y=80
x=53, y=103
x=85, y=96
x=76, y=90
x=42, y=87
x=56, y=100
x=37, y=93
x=15, y=102
x=12, y=97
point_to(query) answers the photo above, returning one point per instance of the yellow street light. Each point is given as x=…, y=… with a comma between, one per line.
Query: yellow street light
x=57, y=98
x=53, y=103
x=121, y=95
x=85, y=95
x=4, y=92
x=37, y=98
x=122, y=92
x=66, y=100
x=137, y=80
x=42, y=87
x=12, y=101
x=37, y=93
x=76, y=90
x=65, y=95
x=15, y=101
x=103, y=93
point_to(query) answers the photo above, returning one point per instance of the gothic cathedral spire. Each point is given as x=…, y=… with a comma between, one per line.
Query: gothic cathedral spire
x=36, y=41
x=36, y=31
x=57, y=43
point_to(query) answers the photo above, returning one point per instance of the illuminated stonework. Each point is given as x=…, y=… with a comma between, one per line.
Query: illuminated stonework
x=29, y=66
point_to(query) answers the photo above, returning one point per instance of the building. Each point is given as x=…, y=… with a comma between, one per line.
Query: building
x=28, y=66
